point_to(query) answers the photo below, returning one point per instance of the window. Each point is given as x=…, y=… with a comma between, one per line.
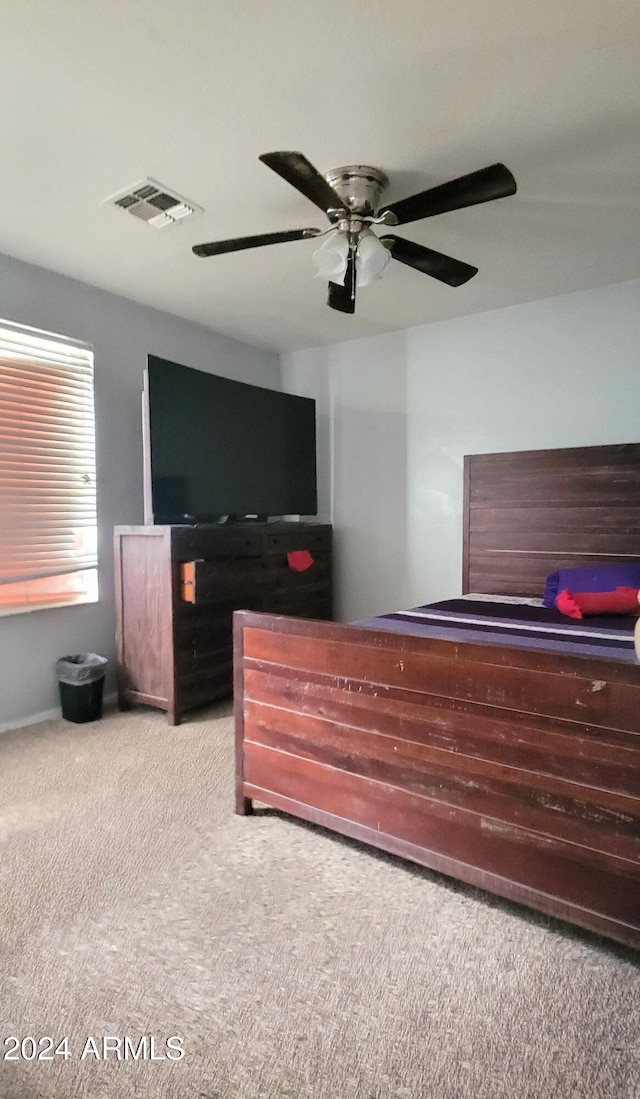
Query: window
x=48, y=523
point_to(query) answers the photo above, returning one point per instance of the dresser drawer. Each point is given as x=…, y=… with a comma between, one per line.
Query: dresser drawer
x=204, y=625
x=199, y=663
x=316, y=541
x=307, y=605
x=197, y=689
x=215, y=542
x=279, y=577
x=220, y=580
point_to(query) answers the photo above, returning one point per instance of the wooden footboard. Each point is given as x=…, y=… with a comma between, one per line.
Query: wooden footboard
x=515, y=771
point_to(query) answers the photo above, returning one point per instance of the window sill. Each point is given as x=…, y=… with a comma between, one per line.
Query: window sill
x=7, y=609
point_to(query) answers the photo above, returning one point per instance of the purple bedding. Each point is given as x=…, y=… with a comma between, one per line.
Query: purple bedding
x=503, y=620
x=593, y=578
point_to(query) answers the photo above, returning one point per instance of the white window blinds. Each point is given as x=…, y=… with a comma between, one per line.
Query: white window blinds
x=48, y=525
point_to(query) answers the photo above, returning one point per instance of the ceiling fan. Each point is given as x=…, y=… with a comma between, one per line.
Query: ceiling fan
x=352, y=255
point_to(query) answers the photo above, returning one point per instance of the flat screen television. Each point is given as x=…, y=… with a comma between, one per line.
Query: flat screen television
x=217, y=449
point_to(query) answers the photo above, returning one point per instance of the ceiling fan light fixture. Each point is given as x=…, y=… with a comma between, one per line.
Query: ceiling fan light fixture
x=372, y=256
x=331, y=258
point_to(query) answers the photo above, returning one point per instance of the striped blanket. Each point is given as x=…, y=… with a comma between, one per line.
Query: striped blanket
x=509, y=620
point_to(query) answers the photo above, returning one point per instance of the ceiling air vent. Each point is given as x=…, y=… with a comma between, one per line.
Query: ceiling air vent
x=154, y=203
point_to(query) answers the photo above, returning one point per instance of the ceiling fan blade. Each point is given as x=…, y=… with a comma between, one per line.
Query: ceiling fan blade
x=301, y=174
x=343, y=297
x=452, y=271
x=485, y=185
x=236, y=244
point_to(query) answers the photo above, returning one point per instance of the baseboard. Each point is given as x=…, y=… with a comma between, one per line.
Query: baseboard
x=46, y=715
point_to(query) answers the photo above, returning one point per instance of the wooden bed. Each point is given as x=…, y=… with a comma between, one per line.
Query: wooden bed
x=517, y=771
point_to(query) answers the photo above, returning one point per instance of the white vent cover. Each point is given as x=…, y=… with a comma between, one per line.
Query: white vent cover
x=154, y=203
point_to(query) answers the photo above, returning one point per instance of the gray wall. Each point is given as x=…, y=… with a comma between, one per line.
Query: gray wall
x=403, y=409
x=122, y=334
x=361, y=389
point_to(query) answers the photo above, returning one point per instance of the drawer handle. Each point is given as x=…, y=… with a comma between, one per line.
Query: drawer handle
x=188, y=581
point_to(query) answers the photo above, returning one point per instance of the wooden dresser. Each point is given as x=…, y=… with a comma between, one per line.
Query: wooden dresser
x=177, y=588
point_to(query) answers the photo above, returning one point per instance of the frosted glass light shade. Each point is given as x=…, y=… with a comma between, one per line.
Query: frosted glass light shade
x=330, y=259
x=372, y=258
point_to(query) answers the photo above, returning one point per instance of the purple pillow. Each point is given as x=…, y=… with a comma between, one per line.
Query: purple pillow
x=591, y=578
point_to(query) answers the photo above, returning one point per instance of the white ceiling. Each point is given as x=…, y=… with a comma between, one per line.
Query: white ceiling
x=98, y=96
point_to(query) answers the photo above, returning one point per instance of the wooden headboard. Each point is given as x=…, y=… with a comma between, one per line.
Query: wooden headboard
x=531, y=512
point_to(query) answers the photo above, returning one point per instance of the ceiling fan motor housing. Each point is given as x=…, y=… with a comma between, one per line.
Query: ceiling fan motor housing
x=359, y=186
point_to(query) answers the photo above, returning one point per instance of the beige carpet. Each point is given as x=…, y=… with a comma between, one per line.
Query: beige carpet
x=291, y=963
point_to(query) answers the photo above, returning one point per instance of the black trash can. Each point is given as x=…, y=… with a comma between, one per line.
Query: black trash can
x=81, y=683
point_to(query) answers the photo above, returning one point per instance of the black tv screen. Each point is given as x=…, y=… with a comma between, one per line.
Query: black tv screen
x=221, y=448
